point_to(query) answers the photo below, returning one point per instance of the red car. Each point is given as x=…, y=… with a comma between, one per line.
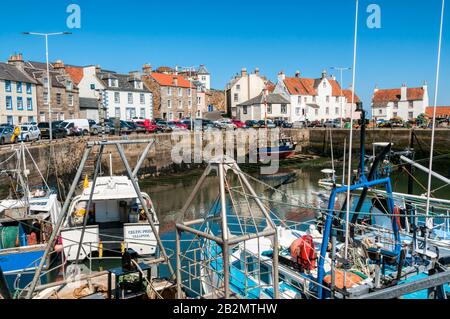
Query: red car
x=179, y=124
x=239, y=124
x=149, y=126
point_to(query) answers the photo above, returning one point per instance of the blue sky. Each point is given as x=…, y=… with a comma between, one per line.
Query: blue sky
x=286, y=35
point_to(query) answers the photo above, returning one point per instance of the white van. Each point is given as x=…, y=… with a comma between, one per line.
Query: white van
x=81, y=126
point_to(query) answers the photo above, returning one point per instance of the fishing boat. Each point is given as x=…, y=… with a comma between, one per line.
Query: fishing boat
x=26, y=219
x=285, y=148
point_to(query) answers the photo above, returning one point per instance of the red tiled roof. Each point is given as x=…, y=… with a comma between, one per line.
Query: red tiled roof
x=440, y=111
x=394, y=95
x=307, y=86
x=168, y=80
x=348, y=95
x=76, y=73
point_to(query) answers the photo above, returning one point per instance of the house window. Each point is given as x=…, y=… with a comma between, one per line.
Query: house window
x=410, y=115
x=238, y=87
x=336, y=111
x=395, y=105
x=269, y=109
x=116, y=97
x=10, y=120
x=70, y=99
x=169, y=104
x=328, y=99
x=180, y=92
x=395, y=114
x=327, y=111
x=203, y=78
x=299, y=99
x=69, y=85
x=236, y=97
x=117, y=112
x=199, y=100
x=29, y=104
x=19, y=103
x=19, y=87
x=380, y=111
x=8, y=86
x=113, y=82
x=244, y=109
x=130, y=98
x=29, y=88
x=411, y=104
x=190, y=103
x=189, y=92
x=180, y=104
x=142, y=114
x=9, y=103
x=306, y=99
x=92, y=86
x=297, y=111
x=314, y=99
x=170, y=116
x=169, y=90
x=324, y=84
x=316, y=112
x=283, y=108
x=142, y=98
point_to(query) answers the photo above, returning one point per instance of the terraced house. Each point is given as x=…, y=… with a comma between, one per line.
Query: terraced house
x=405, y=103
x=315, y=99
x=17, y=95
x=174, y=96
x=64, y=100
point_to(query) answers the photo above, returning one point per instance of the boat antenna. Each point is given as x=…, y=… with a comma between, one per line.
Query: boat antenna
x=429, y=221
x=349, y=172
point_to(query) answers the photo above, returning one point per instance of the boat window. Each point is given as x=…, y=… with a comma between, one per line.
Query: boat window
x=265, y=274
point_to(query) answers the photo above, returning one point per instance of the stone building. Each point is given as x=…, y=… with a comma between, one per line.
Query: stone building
x=174, y=96
x=64, y=101
x=17, y=93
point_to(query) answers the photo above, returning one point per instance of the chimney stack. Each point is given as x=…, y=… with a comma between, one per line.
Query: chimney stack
x=281, y=76
x=257, y=71
x=58, y=65
x=297, y=74
x=98, y=69
x=17, y=60
x=175, y=80
x=404, y=93
x=324, y=74
x=243, y=72
x=134, y=75
x=147, y=69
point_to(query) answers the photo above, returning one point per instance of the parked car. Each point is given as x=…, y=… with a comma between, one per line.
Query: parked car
x=163, y=126
x=299, y=124
x=177, y=126
x=315, y=123
x=269, y=124
x=97, y=128
x=80, y=126
x=6, y=133
x=136, y=128
x=332, y=123
x=57, y=130
x=252, y=124
x=91, y=123
x=239, y=124
x=29, y=133
x=283, y=123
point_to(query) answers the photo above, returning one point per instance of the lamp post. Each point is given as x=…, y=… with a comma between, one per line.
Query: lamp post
x=49, y=96
x=341, y=69
x=190, y=69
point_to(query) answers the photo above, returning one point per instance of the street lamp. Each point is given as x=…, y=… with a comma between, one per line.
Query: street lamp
x=49, y=96
x=341, y=69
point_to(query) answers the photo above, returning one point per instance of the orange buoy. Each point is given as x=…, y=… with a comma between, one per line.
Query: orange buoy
x=351, y=279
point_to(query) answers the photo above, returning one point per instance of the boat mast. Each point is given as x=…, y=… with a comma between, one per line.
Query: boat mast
x=429, y=221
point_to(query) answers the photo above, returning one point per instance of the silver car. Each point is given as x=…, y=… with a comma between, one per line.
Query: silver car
x=6, y=132
x=29, y=133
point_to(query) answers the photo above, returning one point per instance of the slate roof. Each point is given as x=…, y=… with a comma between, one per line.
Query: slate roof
x=12, y=73
x=88, y=103
x=272, y=98
x=202, y=70
x=125, y=82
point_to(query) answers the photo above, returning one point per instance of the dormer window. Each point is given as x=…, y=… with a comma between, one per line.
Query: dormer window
x=113, y=83
x=69, y=85
x=324, y=84
x=138, y=85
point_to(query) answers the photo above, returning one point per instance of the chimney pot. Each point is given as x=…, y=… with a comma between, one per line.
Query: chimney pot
x=244, y=72
x=257, y=71
x=297, y=74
